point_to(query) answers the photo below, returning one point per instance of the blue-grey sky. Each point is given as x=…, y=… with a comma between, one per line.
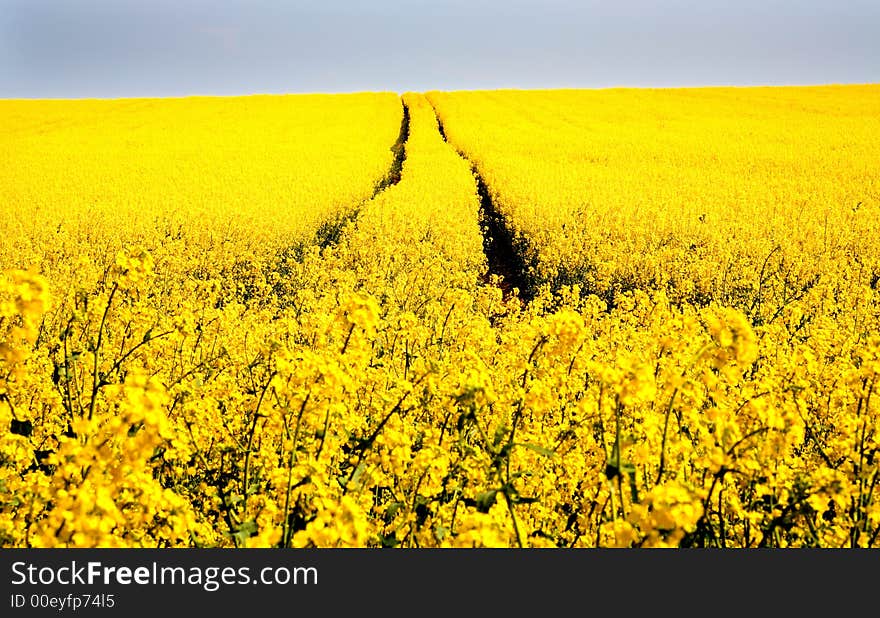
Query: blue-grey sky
x=126, y=48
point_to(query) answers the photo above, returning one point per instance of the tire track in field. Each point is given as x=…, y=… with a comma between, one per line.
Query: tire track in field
x=499, y=244
x=329, y=232
x=399, y=150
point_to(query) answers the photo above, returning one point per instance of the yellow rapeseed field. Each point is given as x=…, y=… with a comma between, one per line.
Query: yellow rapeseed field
x=236, y=176
x=237, y=322
x=691, y=191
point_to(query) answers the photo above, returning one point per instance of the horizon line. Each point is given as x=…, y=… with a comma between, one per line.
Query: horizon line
x=404, y=91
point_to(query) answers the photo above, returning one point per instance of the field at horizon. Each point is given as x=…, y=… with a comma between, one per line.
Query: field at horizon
x=538, y=318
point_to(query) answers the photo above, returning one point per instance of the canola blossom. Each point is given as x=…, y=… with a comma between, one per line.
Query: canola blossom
x=239, y=322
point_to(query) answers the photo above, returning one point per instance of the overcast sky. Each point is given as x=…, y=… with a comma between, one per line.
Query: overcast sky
x=123, y=48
